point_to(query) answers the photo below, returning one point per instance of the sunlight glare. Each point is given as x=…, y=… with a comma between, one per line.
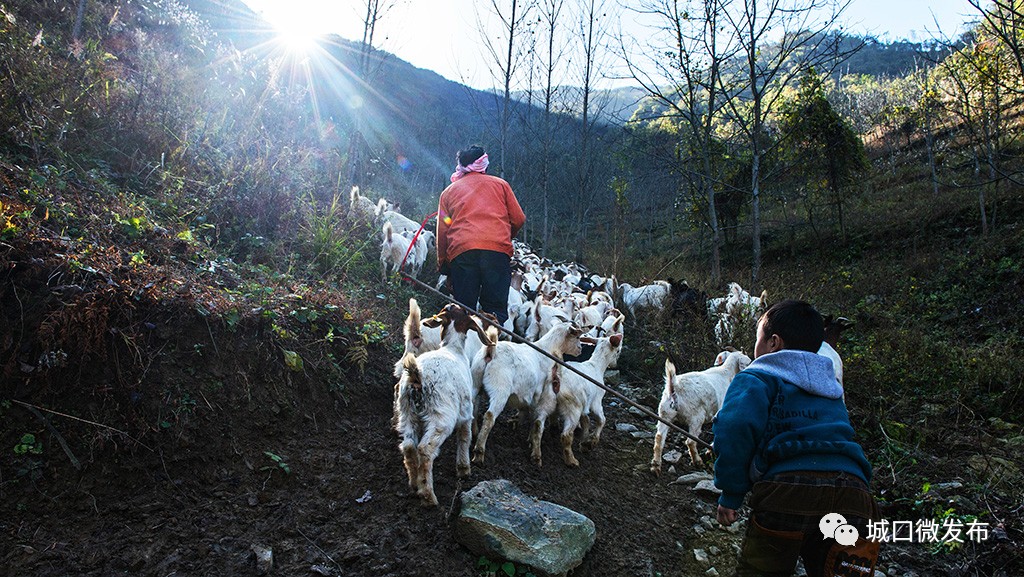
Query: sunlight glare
x=297, y=33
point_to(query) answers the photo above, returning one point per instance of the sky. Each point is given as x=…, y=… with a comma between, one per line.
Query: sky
x=441, y=35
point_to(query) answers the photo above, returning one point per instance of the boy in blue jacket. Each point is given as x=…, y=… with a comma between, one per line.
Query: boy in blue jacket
x=784, y=435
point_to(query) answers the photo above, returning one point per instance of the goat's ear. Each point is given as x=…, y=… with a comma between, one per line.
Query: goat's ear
x=484, y=337
x=436, y=320
x=588, y=340
x=615, y=339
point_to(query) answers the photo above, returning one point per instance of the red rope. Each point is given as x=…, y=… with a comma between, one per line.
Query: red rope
x=414, y=237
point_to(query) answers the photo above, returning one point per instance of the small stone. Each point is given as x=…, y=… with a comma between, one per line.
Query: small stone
x=264, y=559
x=700, y=555
x=714, y=550
x=712, y=572
x=672, y=456
x=878, y=574
x=642, y=434
x=671, y=469
x=707, y=522
x=691, y=478
x=699, y=530
x=707, y=486
x=625, y=427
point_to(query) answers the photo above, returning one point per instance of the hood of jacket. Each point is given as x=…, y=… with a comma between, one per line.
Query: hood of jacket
x=809, y=371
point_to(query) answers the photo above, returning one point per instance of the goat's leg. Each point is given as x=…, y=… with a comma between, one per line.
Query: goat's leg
x=494, y=408
x=430, y=446
x=569, y=419
x=546, y=406
x=464, y=436
x=692, y=445
x=592, y=439
x=659, y=445
x=410, y=457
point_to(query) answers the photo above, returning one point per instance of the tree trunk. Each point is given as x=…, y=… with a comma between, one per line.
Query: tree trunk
x=76, y=32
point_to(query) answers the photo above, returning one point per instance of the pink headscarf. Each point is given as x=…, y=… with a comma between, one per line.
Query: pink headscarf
x=479, y=165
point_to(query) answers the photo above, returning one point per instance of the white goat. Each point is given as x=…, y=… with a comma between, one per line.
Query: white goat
x=578, y=398
x=833, y=328
x=694, y=398
x=394, y=248
x=544, y=316
x=435, y=399
x=361, y=207
x=514, y=374
x=399, y=221
x=652, y=297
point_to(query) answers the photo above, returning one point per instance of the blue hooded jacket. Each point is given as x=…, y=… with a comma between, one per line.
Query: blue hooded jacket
x=784, y=413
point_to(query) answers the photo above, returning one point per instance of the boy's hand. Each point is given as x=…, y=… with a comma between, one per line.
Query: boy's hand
x=727, y=516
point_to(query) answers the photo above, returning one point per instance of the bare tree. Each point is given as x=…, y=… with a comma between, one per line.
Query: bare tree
x=505, y=50
x=550, y=13
x=368, y=65
x=686, y=85
x=594, y=19
x=778, y=41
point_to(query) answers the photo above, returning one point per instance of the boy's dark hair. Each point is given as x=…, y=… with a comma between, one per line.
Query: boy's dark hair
x=797, y=323
x=469, y=155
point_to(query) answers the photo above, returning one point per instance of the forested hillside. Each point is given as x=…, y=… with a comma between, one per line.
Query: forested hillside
x=196, y=346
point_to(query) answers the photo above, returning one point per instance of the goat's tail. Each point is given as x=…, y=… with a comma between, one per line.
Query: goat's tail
x=491, y=343
x=670, y=375
x=354, y=194
x=412, y=324
x=412, y=371
x=388, y=231
x=382, y=205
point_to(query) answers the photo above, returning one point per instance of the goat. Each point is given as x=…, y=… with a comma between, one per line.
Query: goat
x=694, y=398
x=834, y=328
x=514, y=374
x=421, y=338
x=399, y=222
x=361, y=207
x=435, y=399
x=578, y=398
x=394, y=248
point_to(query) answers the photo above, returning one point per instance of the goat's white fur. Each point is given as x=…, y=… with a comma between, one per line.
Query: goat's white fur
x=578, y=398
x=393, y=249
x=694, y=398
x=514, y=374
x=434, y=399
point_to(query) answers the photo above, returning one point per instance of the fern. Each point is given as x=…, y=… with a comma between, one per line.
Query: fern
x=357, y=354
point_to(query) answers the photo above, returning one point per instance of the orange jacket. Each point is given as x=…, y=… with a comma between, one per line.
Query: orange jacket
x=478, y=211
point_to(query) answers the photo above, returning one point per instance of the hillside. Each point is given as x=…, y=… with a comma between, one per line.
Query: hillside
x=196, y=345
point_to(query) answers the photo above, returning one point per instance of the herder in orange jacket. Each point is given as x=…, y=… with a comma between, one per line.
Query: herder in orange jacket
x=478, y=215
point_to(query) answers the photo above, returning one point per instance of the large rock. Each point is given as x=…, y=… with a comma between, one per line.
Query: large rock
x=499, y=521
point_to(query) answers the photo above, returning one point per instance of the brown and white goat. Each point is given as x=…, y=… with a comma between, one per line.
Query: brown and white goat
x=435, y=398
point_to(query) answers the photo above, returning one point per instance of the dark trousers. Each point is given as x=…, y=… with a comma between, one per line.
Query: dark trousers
x=785, y=525
x=484, y=276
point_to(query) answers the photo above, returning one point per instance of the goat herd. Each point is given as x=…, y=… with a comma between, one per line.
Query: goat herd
x=450, y=358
